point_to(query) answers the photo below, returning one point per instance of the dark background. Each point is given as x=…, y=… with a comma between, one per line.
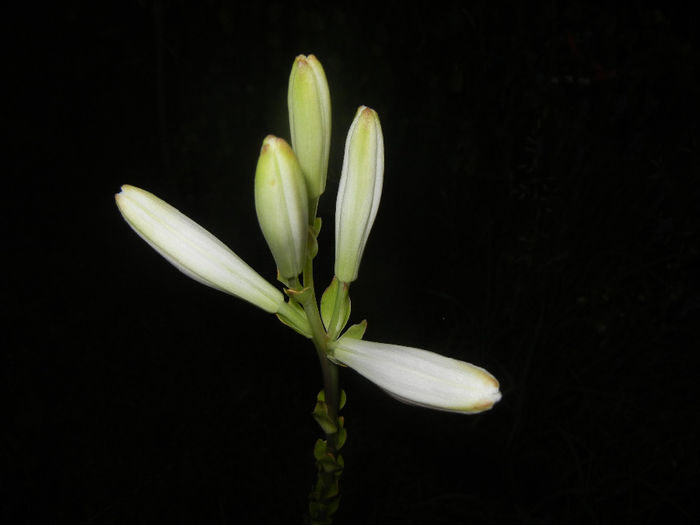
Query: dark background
x=539, y=218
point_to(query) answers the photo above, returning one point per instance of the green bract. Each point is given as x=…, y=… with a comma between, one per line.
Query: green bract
x=282, y=206
x=310, y=120
x=193, y=250
x=419, y=377
x=359, y=192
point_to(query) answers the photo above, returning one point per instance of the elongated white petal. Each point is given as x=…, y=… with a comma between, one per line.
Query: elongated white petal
x=193, y=250
x=419, y=377
x=359, y=192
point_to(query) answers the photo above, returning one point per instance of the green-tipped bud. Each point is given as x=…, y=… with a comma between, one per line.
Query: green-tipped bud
x=193, y=250
x=359, y=192
x=419, y=377
x=282, y=205
x=310, y=120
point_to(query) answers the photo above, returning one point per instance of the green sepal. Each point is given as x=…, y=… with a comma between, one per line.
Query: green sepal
x=316, y=228
x=299, y=323
x=330, y=301
x=356, y=331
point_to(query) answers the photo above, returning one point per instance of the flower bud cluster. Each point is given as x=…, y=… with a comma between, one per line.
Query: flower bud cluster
x=288, y=183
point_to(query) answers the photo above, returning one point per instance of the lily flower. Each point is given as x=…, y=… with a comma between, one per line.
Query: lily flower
x=359, y=192
x=193, y=250
x=309, y=103
x=419, y=377
x=281, y=204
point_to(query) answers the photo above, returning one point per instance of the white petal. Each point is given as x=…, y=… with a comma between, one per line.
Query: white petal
x=193, y=250
x=420, y=377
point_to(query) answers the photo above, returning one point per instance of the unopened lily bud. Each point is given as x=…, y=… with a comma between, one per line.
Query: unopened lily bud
x=359, y=192
x=193, y=250
x=282, y=205
x=419, y=377
x=309, y=104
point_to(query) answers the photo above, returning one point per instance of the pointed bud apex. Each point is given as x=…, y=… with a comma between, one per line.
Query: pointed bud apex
x=193, y=250
x=310, y=120
x=359, y=192
x=419, y=377
x=282, y=206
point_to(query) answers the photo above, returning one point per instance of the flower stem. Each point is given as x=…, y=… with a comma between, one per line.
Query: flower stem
x=329, y=371
x=324, y=499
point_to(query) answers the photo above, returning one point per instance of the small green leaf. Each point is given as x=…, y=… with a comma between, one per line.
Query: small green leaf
x=330, y=465
x=330, y=301
x=342, y=437
x=312, y=244
x=356, y=331
x=326, y=424
x=320, y=450
x=343, y=398
x=320, y=414
x=312, y=241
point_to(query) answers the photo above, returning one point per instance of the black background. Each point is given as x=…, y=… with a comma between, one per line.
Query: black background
x=539, y=218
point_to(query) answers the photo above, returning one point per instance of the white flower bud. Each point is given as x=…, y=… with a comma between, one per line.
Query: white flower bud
x=359, y=192
x=282, y=205
x=193, y=250
x=309, y=105
x=419, y=377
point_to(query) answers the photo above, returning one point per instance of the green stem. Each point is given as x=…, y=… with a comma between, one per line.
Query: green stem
x=323, y=501
x=320, y=338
